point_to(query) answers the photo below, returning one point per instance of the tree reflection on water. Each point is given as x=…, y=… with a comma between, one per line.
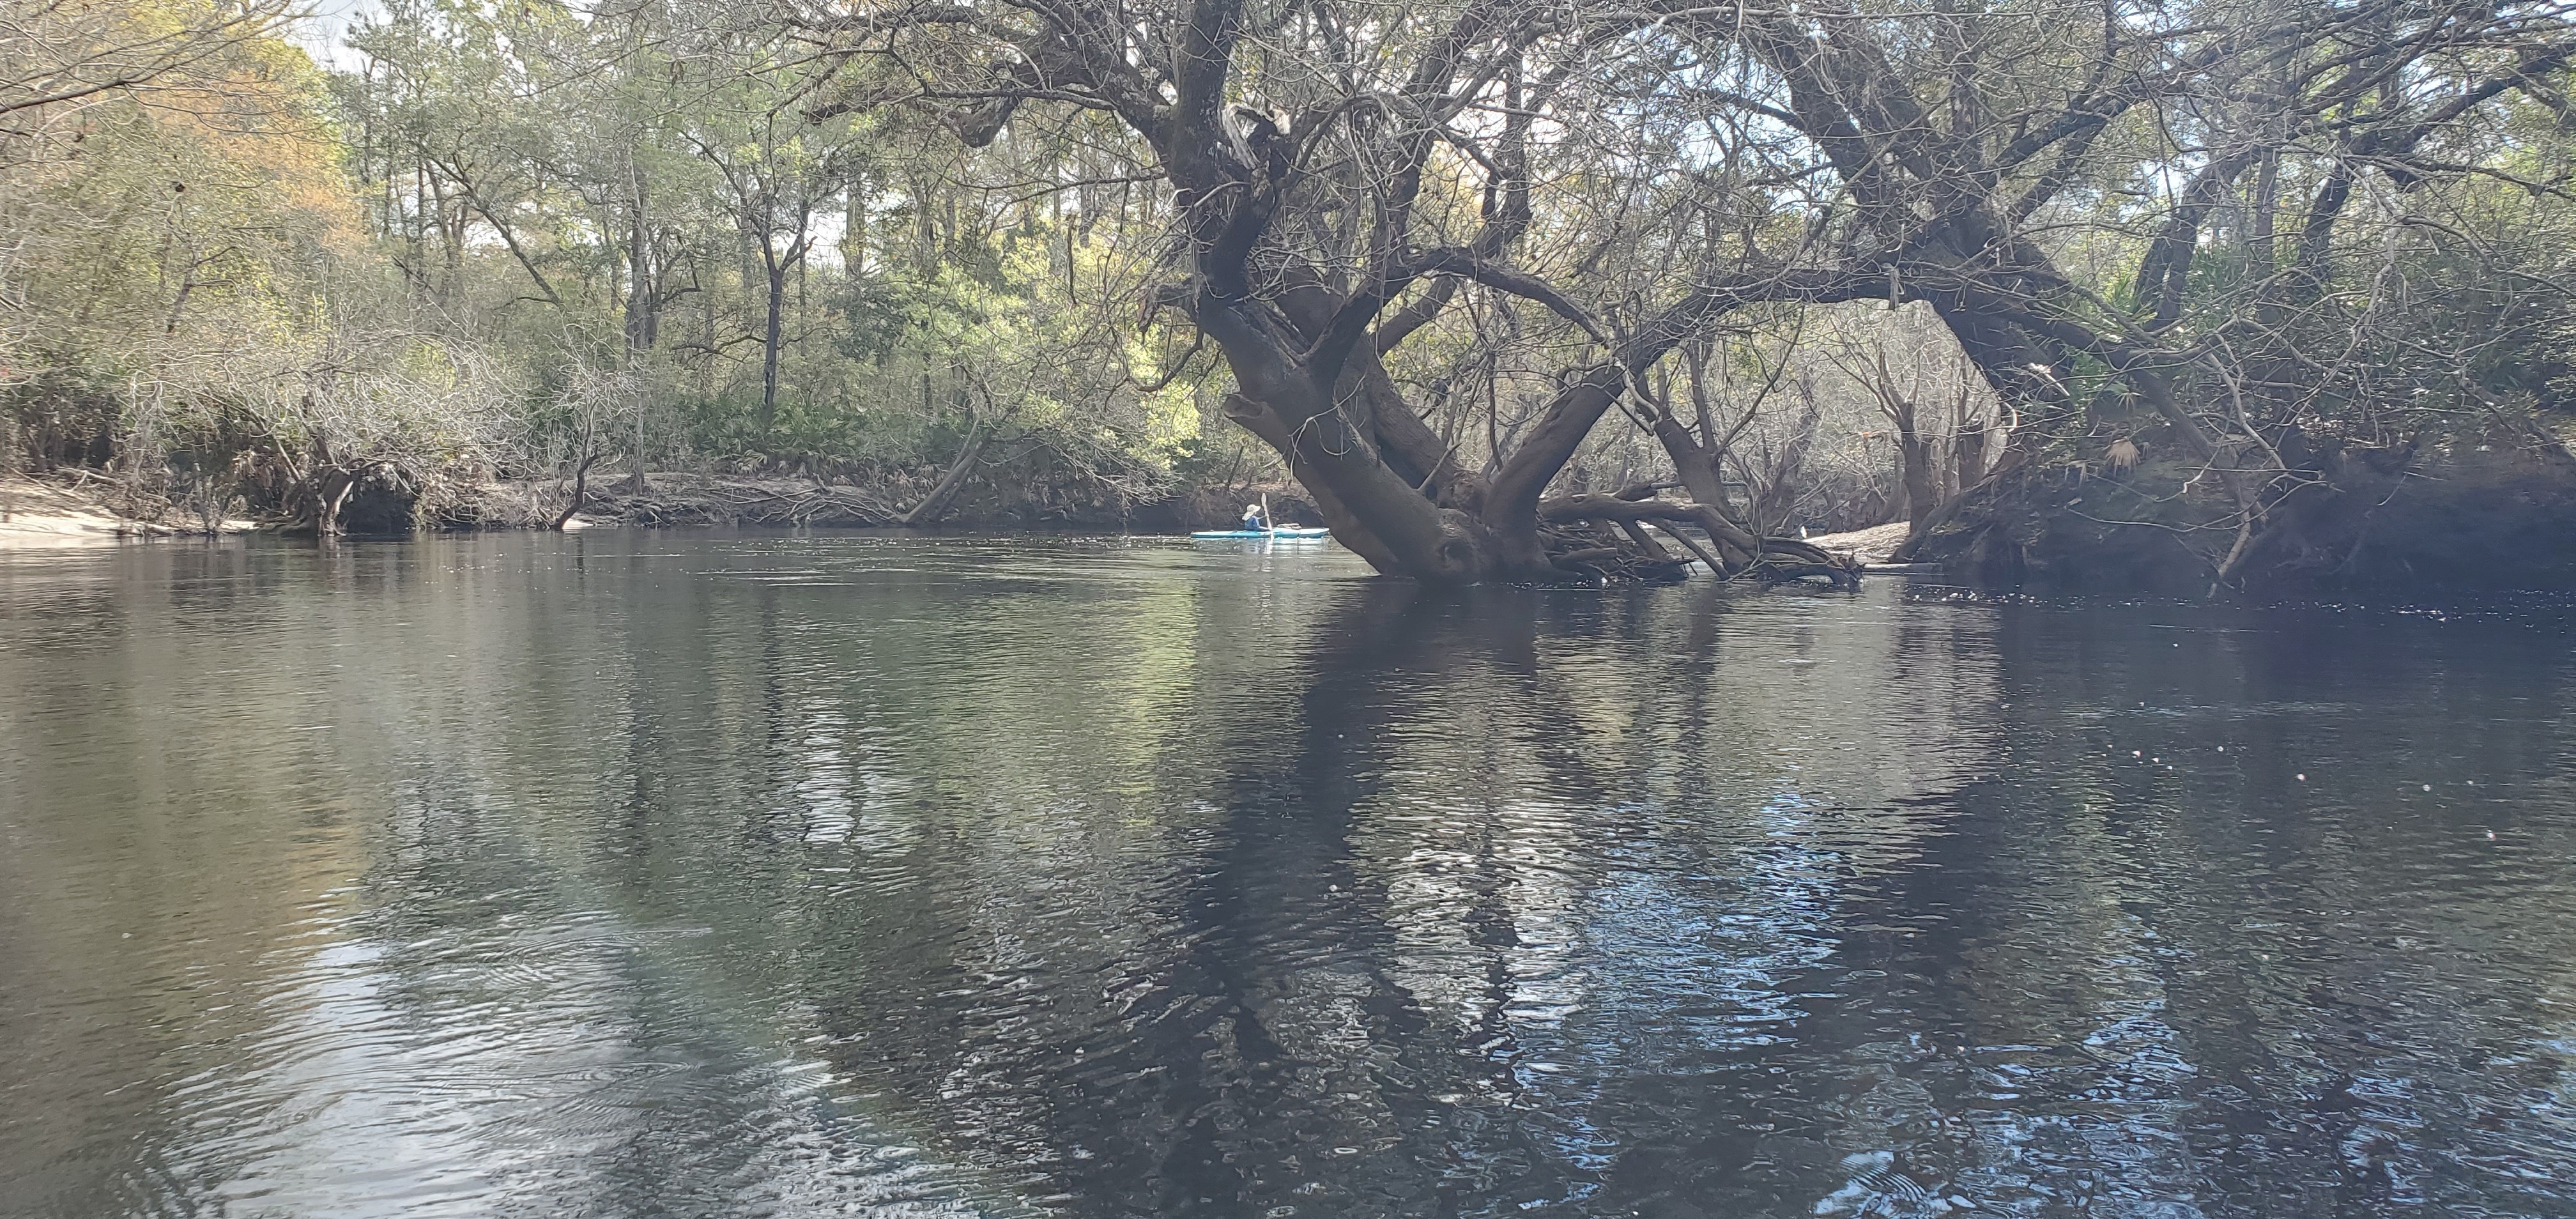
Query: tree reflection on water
x=751, y=875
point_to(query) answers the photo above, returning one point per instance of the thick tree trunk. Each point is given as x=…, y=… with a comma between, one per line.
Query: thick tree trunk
x=1302, y=344
x=580, y=487
x=330, y=490
x=1384, y=518
x=1696, y=465
x=1347, y=527
x=1968, y=457
x=935, y=505
x=1922, y=488
x=2025, y=372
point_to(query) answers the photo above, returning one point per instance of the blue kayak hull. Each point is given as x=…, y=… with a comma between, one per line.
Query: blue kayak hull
x=1263, y=535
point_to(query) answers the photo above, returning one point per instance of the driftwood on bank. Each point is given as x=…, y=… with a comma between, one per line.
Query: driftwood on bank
x=670, y=500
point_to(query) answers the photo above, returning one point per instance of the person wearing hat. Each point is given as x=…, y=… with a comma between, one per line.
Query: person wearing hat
x=1253, y=520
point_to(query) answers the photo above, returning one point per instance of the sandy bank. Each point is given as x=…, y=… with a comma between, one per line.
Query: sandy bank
x=79, y=511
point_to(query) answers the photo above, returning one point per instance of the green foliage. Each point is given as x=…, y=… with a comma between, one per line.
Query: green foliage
x=509, y=234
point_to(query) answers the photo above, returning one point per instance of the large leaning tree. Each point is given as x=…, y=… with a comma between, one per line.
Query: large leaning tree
x=1618, y=179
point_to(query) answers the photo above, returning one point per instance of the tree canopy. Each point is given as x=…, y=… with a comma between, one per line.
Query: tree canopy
x=2206, y=213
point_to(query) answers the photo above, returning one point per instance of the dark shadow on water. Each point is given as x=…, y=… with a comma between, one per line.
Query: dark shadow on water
x=783, y=876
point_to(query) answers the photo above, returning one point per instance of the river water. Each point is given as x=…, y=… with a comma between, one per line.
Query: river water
x=703, y=874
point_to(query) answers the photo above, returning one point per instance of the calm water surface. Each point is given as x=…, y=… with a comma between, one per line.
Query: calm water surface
x=692, y=875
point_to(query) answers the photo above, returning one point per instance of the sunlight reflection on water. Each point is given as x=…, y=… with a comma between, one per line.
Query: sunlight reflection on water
x=785, y=875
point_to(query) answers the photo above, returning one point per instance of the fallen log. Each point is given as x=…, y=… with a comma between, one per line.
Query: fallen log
x=1738, y=553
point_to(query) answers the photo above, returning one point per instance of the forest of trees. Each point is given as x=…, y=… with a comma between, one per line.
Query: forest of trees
x=2210, y=291
x=512, y=242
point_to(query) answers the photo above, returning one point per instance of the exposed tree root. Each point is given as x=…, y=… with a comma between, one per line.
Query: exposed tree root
x=1733, y=553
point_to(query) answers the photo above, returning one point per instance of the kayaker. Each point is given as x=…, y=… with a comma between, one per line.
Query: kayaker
x=1253, y=521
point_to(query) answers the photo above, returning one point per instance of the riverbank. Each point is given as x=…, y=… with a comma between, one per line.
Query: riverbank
x=84, y=508
x=2465, y=529
x=2460, y=520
